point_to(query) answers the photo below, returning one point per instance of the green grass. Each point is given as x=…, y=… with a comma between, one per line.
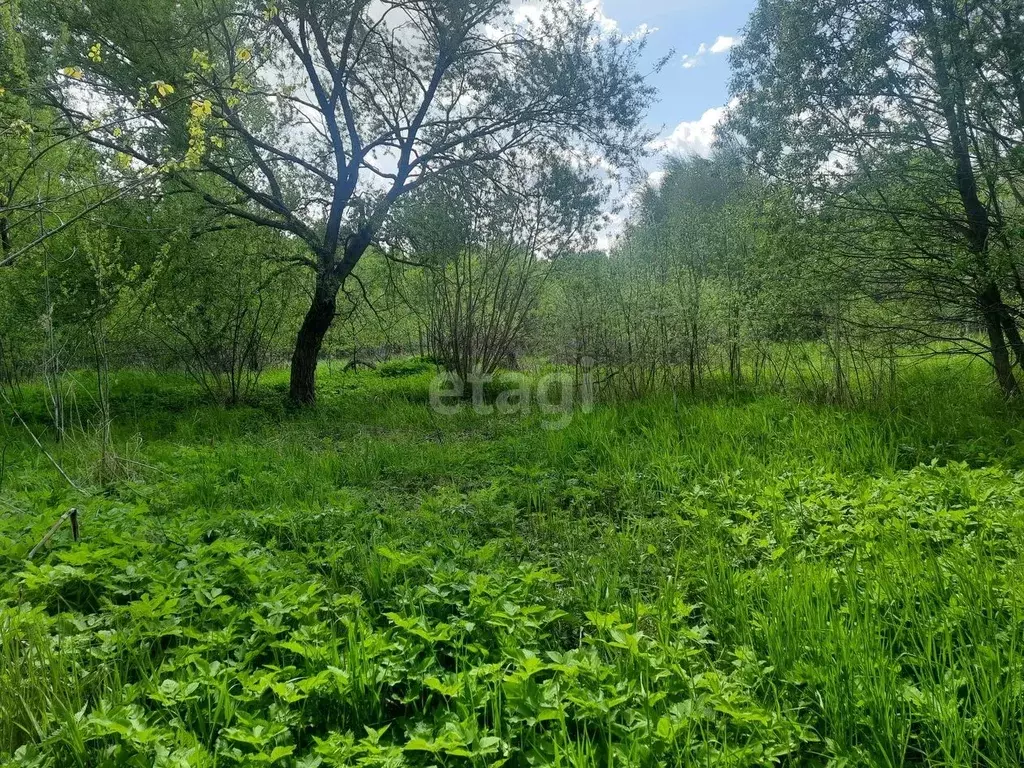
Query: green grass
x=739, y=580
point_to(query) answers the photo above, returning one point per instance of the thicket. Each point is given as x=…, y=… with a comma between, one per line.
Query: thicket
x=846, y=219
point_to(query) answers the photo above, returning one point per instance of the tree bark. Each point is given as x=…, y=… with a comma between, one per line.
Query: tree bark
x=318, y=320
x=5, y=236
x=952, y=101
x=990, y=309
x=1012, y=333
x=310, y=339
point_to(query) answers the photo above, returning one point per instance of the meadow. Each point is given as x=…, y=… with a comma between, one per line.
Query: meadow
x=735, y=579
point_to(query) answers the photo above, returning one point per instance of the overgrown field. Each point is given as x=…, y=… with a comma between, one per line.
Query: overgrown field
x=736, y=581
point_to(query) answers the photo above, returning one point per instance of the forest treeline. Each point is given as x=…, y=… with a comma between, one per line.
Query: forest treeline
x=234, y=185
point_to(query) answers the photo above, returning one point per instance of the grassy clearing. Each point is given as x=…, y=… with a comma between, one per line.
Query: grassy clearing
x=737, y=581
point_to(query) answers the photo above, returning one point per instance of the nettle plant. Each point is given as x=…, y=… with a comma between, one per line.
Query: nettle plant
x=241, y=653
x=313, y=117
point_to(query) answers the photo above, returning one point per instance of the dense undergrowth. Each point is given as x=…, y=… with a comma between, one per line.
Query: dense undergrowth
x=734, y=581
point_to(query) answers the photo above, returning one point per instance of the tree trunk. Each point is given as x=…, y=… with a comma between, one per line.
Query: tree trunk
x=1012, y=333
x=990, y=309
x=318, y=320
x=952, y=101
x=5, y=235
x=314, y=328
x=692, y=360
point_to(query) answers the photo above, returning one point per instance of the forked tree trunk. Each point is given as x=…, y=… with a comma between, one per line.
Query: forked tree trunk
x=1013, y=336
x=310, y=340
x=990, y=308
x=320, y=316
x=1001, y=359
x=952, y=102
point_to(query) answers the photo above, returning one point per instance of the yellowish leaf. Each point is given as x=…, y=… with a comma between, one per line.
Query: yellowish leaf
x=201, y=108
x=201, y=59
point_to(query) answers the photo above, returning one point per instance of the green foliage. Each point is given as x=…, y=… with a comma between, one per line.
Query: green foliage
x=881, y=116
x=208, y=97
x=404, y=367
x=714, y=573
x=737, y=582
x=222, y=306
x=718, y=279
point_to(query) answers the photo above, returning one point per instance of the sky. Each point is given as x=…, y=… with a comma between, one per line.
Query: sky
x=693, y=87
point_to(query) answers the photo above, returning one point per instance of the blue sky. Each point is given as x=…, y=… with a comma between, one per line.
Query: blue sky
x=686, y=93
x=693, y=88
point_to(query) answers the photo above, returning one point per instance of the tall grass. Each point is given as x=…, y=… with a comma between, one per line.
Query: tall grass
x=739, y=580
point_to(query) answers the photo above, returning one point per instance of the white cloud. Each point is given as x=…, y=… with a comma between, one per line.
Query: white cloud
x=605, y=240
x=528, y=13
x=692, y=137
x=641, y=32
x=722, y=44
x=533, y=13
x=607, y=25
x=655, y=178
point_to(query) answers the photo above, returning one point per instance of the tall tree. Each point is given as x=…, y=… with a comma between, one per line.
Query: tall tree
x=895, y=113
x=315, y=116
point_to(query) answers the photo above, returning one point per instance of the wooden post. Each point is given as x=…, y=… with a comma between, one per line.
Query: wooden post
x=71, y=514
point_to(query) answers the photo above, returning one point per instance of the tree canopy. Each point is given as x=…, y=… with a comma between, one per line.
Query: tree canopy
x=314, y=118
